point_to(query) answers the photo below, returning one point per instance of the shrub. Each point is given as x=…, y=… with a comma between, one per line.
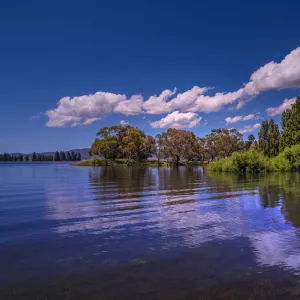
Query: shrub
x=242, y=162
x=292, y=155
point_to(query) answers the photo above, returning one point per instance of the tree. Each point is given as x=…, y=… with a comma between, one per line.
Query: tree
x=178, y=144
x=56, y=156
x=20, y=157
x=274, y=138
x=108, y=142
x=73, y=156
x=78, y=157
x=62, y=156
x=27, y=157
x=135, y=144
x=122, y=142
x=290, y=122
x=34, y=156
x=223, y=142
x=269, y=138
x=69, y=158
x=249, y=142
x=39, y=157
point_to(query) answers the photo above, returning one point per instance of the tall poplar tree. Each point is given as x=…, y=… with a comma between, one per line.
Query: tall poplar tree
x=290, y=122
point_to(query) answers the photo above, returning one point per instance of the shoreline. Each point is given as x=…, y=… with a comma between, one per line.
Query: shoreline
x=96, y=162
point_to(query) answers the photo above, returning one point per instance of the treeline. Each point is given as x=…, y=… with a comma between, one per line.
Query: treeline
x=177, y=145
x=276, y=150
x=58, y=156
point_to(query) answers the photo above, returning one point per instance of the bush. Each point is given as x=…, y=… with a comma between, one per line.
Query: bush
x=242, y=162
x=292, y=155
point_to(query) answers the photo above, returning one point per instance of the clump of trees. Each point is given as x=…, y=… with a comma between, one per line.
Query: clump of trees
x=275, y=151
x=175, y=144
x=58, y=156
x=123, y=142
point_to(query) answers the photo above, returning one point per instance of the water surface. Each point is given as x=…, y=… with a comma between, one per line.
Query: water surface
x=169, y=233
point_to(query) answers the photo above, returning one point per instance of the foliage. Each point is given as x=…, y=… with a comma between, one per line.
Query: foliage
x=223, y=142
x=290, y=122
x=241, y=162
x=269, y=138
x=178, y=144
x=123, y=142
x=255, y=162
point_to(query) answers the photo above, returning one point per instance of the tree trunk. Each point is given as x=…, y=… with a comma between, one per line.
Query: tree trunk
x=177, y=160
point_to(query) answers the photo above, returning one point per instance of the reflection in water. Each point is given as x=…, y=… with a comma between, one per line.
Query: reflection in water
x=184, y=207
x=106, y=216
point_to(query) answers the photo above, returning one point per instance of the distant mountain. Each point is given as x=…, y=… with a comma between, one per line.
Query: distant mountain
x=84, y=152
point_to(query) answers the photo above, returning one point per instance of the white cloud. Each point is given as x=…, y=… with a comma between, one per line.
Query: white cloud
x=177, y=120
x=287, y=103
x=276, y=76
x=90, y=121
x=159, y=104
x=236, y=119
x=81, y=110
x=249, y=128
x=124, y=123
x=133, y=106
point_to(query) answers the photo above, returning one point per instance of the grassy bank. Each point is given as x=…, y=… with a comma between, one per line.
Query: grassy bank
x=256, y=162
x=97, y=162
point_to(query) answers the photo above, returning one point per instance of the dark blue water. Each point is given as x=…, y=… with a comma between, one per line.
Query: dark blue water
x=59, y=222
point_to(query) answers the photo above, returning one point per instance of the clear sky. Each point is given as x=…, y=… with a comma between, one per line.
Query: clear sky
x=153, y=64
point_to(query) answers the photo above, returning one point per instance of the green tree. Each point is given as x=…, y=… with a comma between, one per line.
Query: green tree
x=56, y=156
x=73, y=156
x=178, y=144
x=78, y=157
x=290, y=122
x=135, y=144
x=223, y=142
x=108, y=142
x=69, y=158
x=269, y=138
x=62, y=156
x=274, y=138
x=264, y=138
x=20, y=157
x=34, y=157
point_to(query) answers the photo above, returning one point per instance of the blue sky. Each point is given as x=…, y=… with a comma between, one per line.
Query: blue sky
x=129, y=51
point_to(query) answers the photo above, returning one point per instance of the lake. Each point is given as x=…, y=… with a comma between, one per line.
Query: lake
x=147, y=233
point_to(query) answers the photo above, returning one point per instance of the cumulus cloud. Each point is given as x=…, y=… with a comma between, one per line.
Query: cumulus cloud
x=178, y=120
x=249, y=128
x=124, y=123
x=287, y=103
x=276, y=76
x=236, y=119
x=133, y=106
x=83, y=110
x=159, y=104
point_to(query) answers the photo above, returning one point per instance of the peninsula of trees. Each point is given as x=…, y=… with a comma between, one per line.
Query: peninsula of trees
x=129, y=145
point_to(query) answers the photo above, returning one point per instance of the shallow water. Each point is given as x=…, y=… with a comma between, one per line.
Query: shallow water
x=170, y=233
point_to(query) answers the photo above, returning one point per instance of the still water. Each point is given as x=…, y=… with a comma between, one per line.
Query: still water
x=147, y=233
